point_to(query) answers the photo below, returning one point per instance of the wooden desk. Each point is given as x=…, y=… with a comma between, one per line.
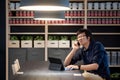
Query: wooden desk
x=40, y=71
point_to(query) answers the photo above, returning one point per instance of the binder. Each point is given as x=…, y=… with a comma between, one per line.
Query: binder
x=114, y=58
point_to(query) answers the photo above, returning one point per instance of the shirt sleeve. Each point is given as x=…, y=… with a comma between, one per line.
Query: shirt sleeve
x=98, y=53
x=76, y=57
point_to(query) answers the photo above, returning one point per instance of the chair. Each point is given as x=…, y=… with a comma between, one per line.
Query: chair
x=16, y=67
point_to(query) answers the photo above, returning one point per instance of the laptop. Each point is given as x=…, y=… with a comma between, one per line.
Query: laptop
x=56, y=64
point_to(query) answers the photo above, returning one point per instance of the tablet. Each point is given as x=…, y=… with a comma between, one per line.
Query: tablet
x=55, y=64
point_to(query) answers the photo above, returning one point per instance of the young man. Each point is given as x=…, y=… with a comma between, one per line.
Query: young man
x=93, y=55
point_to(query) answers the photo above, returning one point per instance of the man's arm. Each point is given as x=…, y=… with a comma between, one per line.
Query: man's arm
x=88, y=67
x=69, y=57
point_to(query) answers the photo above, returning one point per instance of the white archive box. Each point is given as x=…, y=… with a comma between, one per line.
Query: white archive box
x=26, y=43
x=90, y=4
x=108, y=5
x=102, y=6
x=12, y=6
x=74, y=6
x=96, y=5
x=17, y=5
x=39, y=44
x=115, y=5
x=52, y=44
x=80, y=6
x=13, y=43
x=64, y=44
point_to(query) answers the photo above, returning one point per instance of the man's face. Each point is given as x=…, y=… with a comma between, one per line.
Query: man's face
x=82, y=39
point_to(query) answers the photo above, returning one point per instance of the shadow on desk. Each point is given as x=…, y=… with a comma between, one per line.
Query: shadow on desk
x=40, y=71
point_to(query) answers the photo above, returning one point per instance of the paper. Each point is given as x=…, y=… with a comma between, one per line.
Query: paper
x=76, y=74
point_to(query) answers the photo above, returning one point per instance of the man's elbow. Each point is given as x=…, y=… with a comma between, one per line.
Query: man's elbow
x=96, y=66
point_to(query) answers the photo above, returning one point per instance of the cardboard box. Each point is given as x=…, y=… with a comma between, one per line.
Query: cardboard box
x=14, y=44
x=39, y=44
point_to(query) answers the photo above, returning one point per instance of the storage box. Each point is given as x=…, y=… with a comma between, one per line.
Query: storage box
x=12, y=6
x=96, y=5
x=115, y=5
x=90, y=6
x=72, y=42
x=80, y=6
x=108, y=5
x=64, y=44
x=26, y=43
x=70, y=5
x=39, y=44
x=17, y=5
x=102, y=6
x=75, y=6
x=13, y=44
x=52, y=44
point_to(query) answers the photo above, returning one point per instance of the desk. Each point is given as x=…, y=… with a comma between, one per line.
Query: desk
x=40, y=71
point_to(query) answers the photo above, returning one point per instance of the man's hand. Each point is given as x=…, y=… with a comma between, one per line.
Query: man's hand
x=71, y=67
x=76, y=46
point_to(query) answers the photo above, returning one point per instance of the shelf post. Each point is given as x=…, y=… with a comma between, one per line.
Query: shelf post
x=85, y=17
x=46, y=38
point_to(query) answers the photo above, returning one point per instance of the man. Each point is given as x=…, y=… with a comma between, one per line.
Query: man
x=93, y=55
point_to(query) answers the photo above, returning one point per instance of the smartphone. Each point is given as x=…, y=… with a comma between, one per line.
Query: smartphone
x=78, y=43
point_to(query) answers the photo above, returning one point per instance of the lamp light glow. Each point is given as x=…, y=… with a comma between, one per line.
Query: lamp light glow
x=44, y=5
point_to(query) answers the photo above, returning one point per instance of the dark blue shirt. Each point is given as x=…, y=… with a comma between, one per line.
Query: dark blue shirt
x=94, y=54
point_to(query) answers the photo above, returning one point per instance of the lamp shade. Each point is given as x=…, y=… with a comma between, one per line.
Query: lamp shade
x=44, y=5
x=49, y=15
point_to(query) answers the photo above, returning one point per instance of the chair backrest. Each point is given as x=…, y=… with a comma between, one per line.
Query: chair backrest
x=15, y=69
x=17, y=63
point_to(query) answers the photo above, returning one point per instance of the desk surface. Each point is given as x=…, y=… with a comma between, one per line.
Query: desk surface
x=40, y=71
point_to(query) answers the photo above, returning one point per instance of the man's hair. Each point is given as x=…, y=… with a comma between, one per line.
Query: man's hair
x=87, y=33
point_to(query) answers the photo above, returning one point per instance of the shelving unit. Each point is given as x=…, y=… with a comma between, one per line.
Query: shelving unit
x=75, y=18
x=104, y=24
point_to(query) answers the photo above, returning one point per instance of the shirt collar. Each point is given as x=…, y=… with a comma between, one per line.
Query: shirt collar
x=90, y=46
